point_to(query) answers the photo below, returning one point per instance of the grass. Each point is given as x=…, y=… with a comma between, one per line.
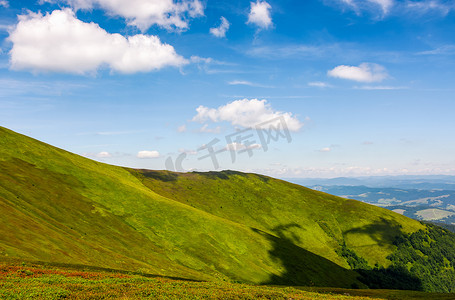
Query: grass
x=56, y=206
x=315, y=221
x=379, y=294
x=38, y=281
x=31, y=281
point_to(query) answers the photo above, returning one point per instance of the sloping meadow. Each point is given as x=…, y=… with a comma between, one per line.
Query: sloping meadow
x=60, y=207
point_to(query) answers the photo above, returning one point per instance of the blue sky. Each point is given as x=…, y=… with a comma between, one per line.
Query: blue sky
x=365, y=87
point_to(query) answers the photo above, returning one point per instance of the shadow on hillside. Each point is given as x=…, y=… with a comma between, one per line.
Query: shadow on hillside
x=396, y=276
x=168, y=176
x=302, y=267
x=226, y=173
x=220, y=175
x=383, y=232
x=391, y=278
x=263, y=178
x=165, y=176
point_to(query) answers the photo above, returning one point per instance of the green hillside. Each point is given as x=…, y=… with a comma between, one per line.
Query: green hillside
x=59, y=207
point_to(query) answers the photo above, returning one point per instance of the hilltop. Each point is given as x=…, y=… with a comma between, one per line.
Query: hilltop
x=217, y=226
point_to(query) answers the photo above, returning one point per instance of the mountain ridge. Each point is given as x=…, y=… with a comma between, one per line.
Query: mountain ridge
x=61, y=207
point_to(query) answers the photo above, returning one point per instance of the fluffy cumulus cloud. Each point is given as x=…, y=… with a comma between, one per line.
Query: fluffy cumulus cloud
x=246, y=113
x=260, y=14
x=221, y=30
x=145, y=13
x=60, y=42
x=148, y=154
x=365, y=72
x=4, y=3
x=103, y=154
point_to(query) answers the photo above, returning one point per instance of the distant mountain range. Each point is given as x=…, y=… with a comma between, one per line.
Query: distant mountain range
x=59, y=207
x=423, y=182
x=429, y=198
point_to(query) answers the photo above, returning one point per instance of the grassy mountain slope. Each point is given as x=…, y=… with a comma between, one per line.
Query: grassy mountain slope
x=313, y=220
x=60, y=207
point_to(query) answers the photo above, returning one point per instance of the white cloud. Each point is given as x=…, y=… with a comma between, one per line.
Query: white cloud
x=365, y=72
x=181, y=128
x=326, y=149
x=443, y=50
x=188, y=152
x=60, y=42
x=349, y=171
x=4, y=3
x=145, y=13
x=384, y=4
x=319, y=84
x=369, y=5
x=297, y=51
x=205, y=128
x=103, y=154
x=240, y=82
x=205, y=64
x=6, y=27
x=248, y=83
x=239, y=146
x=205, y=60
x=221, y=30
x=414, y=7
x=148, y=154
x=427, y=6
x=246, y=113
x=260, y=14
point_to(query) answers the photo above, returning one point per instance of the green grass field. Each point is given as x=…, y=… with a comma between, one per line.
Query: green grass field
x=32, y=281
x=226, y=226
x=36, y=281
